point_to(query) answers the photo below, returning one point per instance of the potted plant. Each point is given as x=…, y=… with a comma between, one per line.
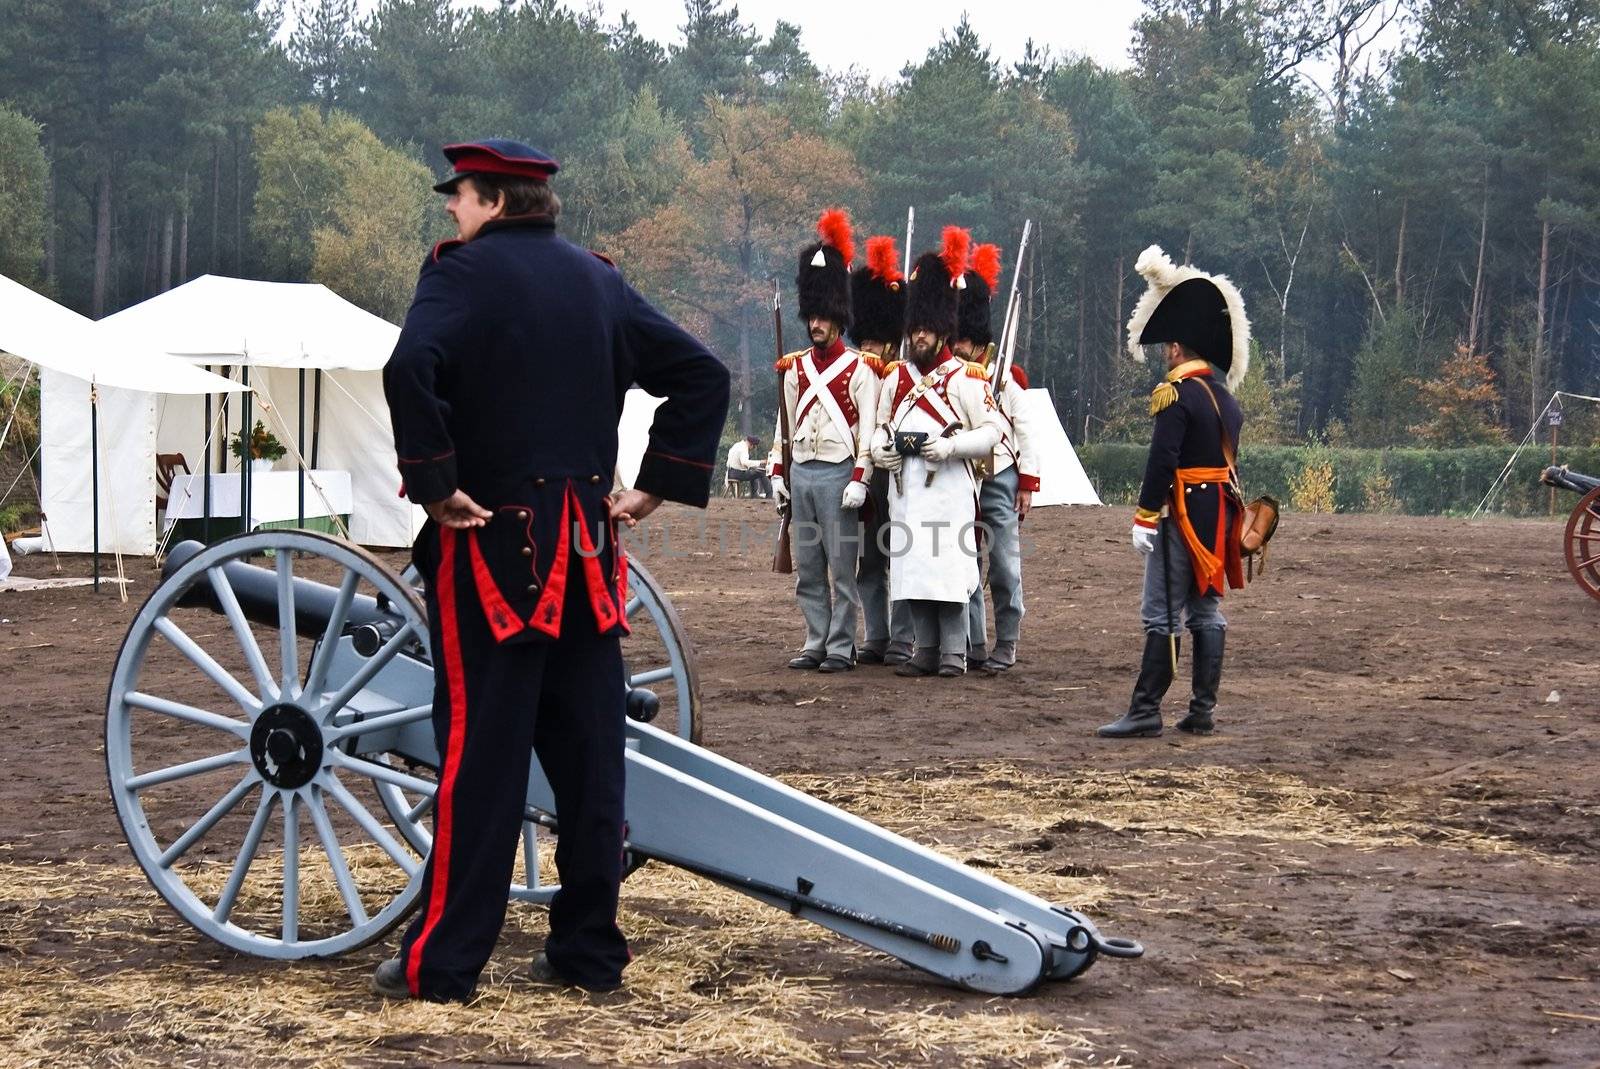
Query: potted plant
x=263, y=447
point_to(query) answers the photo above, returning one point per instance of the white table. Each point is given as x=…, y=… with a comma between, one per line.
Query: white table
x=274, y=495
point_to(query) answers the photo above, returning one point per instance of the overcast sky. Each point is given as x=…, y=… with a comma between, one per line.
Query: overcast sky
x=881, y=36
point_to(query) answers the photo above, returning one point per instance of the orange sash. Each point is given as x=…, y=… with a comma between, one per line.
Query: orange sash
x=1209, y=569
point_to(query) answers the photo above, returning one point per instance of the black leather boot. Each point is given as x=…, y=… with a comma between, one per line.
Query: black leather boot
x=1143, y=718
x=1207, y=675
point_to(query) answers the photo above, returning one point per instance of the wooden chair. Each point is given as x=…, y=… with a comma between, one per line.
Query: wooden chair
x=167, y=465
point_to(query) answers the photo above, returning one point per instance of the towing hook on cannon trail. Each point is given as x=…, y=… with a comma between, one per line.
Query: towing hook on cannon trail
x=358, y=713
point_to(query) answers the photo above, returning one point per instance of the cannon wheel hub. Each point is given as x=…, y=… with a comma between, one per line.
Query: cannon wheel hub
x=286, y=746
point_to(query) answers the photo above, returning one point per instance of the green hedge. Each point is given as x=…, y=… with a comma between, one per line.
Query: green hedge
x=1426, y=482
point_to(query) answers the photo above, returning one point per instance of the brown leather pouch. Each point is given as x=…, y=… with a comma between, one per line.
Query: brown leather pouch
x=1260, y=524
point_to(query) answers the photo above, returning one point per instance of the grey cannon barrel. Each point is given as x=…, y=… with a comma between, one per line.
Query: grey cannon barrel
x=368, y=620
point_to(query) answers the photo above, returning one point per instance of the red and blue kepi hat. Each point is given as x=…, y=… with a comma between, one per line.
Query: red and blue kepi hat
x=496, y=155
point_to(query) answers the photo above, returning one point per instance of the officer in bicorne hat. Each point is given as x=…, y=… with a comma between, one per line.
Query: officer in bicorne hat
x=935, y=417
x=1010, y=475
x=829, y=393
x=877, y=323
x=1189, y=514
x=504, y=390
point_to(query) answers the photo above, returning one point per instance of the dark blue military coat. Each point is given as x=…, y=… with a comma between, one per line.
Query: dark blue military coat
x=515, y=400
x=1188, y=438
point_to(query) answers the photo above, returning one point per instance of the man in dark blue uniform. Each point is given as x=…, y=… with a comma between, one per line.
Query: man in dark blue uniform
x=1189, y=513
x=505, y=390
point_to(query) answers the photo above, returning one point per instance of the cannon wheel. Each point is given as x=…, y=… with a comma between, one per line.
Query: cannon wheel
x=226, y=721
x=657, y=651
x=1582, y=543
x=219, y=778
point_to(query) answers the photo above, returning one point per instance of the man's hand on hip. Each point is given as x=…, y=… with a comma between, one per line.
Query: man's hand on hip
x=631, y=506
x=459, y=511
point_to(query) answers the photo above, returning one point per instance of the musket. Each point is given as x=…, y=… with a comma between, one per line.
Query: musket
x=911, y=230
x=783, y=554
x=1008, y=333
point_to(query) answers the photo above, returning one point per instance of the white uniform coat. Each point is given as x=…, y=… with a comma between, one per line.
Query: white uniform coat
x=931, y=539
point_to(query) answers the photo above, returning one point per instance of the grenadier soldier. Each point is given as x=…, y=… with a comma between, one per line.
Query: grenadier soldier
x=935, y=417
x=505, y=389
x=1189, y=515
x=1010, y=474
x=829, y=394
x=877, y=323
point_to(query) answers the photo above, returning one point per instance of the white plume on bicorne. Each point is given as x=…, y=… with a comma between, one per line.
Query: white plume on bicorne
x=1161, y=276
x=819, y=260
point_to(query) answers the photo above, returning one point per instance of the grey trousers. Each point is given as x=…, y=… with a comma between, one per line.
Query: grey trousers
x=997, y=508
x=1169, y=601
x=940, y=625
x=872, y=574
x=827, y=539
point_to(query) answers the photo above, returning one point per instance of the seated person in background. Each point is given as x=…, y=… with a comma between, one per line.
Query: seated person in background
x=743, y=469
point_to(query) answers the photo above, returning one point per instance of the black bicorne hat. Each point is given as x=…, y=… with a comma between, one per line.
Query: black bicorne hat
x=1186, y=305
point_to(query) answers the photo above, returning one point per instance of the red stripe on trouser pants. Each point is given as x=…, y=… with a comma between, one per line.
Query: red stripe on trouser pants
x=444, y=803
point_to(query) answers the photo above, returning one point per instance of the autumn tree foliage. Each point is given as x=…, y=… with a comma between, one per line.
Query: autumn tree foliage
x=735, y=224
x=1462, y=402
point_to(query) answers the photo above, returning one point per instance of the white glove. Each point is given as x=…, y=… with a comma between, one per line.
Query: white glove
x=937, y=450
x=855, y=495
x=1144, y=539
x=780, y=491
x=885, y=457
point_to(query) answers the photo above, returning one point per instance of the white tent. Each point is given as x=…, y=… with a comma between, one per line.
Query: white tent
x=276, y=333
x=84, y=371
x=1062, y=480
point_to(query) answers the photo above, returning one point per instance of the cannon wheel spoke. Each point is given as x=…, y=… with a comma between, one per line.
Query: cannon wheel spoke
x=317, y=676
x=229, y=600
x=199, y=828
x=288, y=641
x=247, y=857
x=188, y=713
x=208, y=664
x=335, y=853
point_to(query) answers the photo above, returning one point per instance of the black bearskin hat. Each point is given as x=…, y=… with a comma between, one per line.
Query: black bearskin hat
x=977, y=300
x=878, y=295
x=824, y=276
x=933, y=290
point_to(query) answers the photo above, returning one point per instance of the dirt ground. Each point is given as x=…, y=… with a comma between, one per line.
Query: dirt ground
x=1387, y=854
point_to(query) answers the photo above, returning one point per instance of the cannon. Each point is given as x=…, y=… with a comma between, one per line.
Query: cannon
x=1581, y=541
x=271, y=756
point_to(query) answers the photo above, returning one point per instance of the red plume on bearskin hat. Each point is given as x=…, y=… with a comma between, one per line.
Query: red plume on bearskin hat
x=935, y=283
x=977, y=300
x=824, y=277
x=878, y=295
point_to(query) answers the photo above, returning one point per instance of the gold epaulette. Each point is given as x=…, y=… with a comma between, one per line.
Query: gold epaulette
x=872, y=361
x=1162, y=397
x=786, y=361
x=889, y=369
x=976, y=370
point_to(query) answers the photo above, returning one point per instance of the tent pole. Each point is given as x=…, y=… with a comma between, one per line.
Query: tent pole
x=205, y=490
x=247, y=437
x=302, y=412
x=316, y=420
x=94, y=468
